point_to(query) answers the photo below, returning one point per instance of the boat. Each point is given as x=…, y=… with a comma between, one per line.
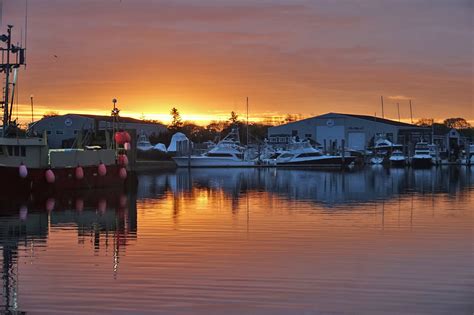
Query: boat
x=377, y=159
x=143, y=144
x=397, y=159
x=434, y=152
x=302, y=154
x=226, y=153
x=27, y=164
x=382, y=149
x=469, y=157
x=422, y=157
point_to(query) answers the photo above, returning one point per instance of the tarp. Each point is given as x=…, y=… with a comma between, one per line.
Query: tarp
x=174, y=139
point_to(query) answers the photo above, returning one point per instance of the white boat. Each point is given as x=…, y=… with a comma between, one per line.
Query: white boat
x=302, y=154
x=376, y=160
x=227, y=153
x=422, y=157
x=434, y=152
x=143, y=144
x=469, y=158
x=397, y=158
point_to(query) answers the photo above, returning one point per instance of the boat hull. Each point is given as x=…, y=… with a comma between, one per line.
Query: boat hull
x=398, y=163
x=65, y=179
x=321, y=162
x=198, y=161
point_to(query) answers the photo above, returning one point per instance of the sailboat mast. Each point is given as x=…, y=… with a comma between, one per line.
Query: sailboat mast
x=7, y=81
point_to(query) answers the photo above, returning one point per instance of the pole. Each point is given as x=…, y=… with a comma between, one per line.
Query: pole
x=411, y=113
x=383, y=114
x=247, y=120
x=7, y=82
x=398, y=108
x=31, y=100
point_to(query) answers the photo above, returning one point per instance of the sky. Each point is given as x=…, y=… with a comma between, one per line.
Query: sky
x=205, y=57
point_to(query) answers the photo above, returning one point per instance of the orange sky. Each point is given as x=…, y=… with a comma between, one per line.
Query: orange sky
x=299, y=57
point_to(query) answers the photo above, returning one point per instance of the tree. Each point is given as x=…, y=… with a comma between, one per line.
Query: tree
x=176, y=122
x=50, y=114
x=425, y=122
x=457, y=123
x=234, y=118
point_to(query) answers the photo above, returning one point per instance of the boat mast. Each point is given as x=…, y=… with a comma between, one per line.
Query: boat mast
x=7, y=67
x=247, y=120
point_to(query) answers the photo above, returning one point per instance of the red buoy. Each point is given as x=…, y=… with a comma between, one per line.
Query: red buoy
x=79, y=173
x=127, y=137
x=123, y=173
x=50, y=178
x=102, y=169
x=119, y=137
x=123, y=160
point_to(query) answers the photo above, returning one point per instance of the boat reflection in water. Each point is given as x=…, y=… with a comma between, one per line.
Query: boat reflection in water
x=329, y=188
x=103, y=218
x=247, y=241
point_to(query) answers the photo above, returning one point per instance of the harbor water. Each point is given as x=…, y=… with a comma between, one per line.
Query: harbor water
x=246, y=241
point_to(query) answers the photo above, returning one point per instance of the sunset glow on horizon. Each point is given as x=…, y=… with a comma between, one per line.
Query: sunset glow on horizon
x=289, y=57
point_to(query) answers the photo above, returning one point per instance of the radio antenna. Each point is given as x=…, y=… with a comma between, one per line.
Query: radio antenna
x=26, y=25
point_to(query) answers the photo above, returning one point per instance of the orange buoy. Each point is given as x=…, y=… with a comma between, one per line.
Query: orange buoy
x=123, y=173
x=50, y=178
x=22, y=170
x=79, y=172
x=102, y=169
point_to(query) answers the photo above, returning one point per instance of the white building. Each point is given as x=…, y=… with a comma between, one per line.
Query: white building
x=356, y=131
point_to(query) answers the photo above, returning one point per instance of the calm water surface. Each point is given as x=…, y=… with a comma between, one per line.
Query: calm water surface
x=246, y=242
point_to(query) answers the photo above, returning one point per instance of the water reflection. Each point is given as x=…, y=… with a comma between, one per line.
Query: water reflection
x=246, y=241
x=327, y=188
x=104, y=218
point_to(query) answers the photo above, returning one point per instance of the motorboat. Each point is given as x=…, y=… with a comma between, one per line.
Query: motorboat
x=469, y=157
x=302, y=154
x=226, y=153
x=422, y=157
x=434, y=152
x=397, y=158
x=377, y=159
x=143, y=144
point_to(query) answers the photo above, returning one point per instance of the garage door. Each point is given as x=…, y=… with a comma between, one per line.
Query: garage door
x=356, y=141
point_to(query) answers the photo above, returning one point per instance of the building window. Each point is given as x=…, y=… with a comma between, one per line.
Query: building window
x=10, y=150
x=308, y=135
x=48, y=132
x=59, y=132
x=17, y=150
x=294, y=133
x=22, y=151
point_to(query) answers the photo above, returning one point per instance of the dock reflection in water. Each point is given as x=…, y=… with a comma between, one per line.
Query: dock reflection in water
x=240, y=241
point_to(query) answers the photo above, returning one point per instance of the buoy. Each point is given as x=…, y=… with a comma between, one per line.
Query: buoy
x=23, y=171
x=79, y=172
x=102, y=205
x=50, y=203
x=127, y=146
x=119, y=137
x=123, y=160
x=102, y=169
x=126, y=137
x=79, y=205
x=23, y=213
x=50, y=178
x=123, y=173
x=123, y=201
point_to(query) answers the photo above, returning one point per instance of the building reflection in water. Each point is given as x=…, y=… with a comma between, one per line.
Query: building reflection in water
x=103, y=217
x=329, y=189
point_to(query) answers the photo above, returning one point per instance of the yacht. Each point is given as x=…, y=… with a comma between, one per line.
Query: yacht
x=397, y=158
x=302, y=154
x=469, y=158
x=226, y=153
x=143, y=144
x=422, y=157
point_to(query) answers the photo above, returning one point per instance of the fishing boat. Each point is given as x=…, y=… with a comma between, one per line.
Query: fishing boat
x=302, y=154
x=397, y=159
x=143, y=144
x=226, y=153
x=422, y=157
x=469, y=156
x=27, y=163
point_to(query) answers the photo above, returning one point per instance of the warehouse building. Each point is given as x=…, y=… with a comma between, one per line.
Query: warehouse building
x=357, y=132
x=62, y=130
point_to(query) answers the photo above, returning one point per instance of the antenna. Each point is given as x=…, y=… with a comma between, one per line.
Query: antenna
x=31, y=100
x=411, y=113
x=247, y=120
x=1, y=12
x=26, y=25
x=398, y=108
x=381, y=99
